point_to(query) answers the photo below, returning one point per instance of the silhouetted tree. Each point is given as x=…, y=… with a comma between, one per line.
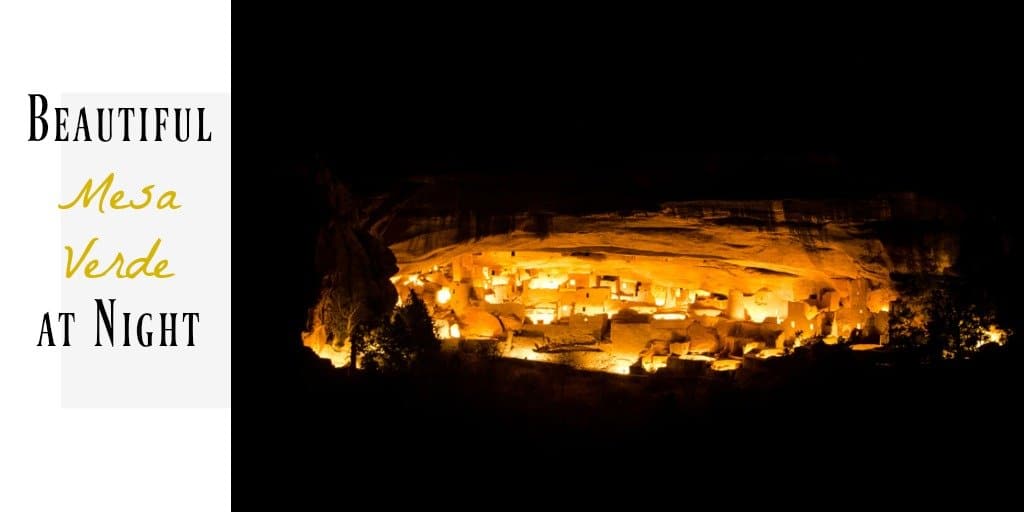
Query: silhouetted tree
x=944, y=314
x=369, y=338
x=356, y=267
x=341, y=318
x=405, y=340
x=349, y=318
x=906, y=326
x=955, y=327
x=417, y=328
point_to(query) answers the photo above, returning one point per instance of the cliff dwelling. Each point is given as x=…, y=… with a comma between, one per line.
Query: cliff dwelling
x=707, y=283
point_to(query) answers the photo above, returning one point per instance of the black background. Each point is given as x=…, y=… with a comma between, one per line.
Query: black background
x=849, y=114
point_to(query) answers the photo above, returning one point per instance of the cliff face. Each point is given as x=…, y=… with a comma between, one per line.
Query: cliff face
x=793, y=247
x=355, y=267
x=711, y=276
x=706, y=277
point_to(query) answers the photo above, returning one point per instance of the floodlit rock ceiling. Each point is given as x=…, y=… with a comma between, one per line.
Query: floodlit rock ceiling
x=717, y=253
x=703, y=282
x=793, y=248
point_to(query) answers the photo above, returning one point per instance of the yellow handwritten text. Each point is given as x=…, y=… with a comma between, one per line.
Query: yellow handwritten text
x=129, y=271
x=88, y=194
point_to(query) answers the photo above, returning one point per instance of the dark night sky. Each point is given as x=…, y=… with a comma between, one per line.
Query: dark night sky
x=841, y=121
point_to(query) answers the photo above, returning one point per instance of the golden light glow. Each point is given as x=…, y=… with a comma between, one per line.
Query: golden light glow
x=546, y=283
x=338, y=357
x=442, y=329
x=993, y=335
x=669, y=316
x=752, y=346
x=860, y=347
x=542, y=288
x=769, y=352
x=316, y=340
x=541, y=315
x=696, y=357
x=725, y=365
x=706, y=312
x=757, y=313
x=655, y=364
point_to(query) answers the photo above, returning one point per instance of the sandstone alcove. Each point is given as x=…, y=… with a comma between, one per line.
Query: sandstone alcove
x=704, y=281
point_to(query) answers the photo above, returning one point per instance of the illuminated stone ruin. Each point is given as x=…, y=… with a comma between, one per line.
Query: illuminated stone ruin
x=613, y=312
x=712, y=284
